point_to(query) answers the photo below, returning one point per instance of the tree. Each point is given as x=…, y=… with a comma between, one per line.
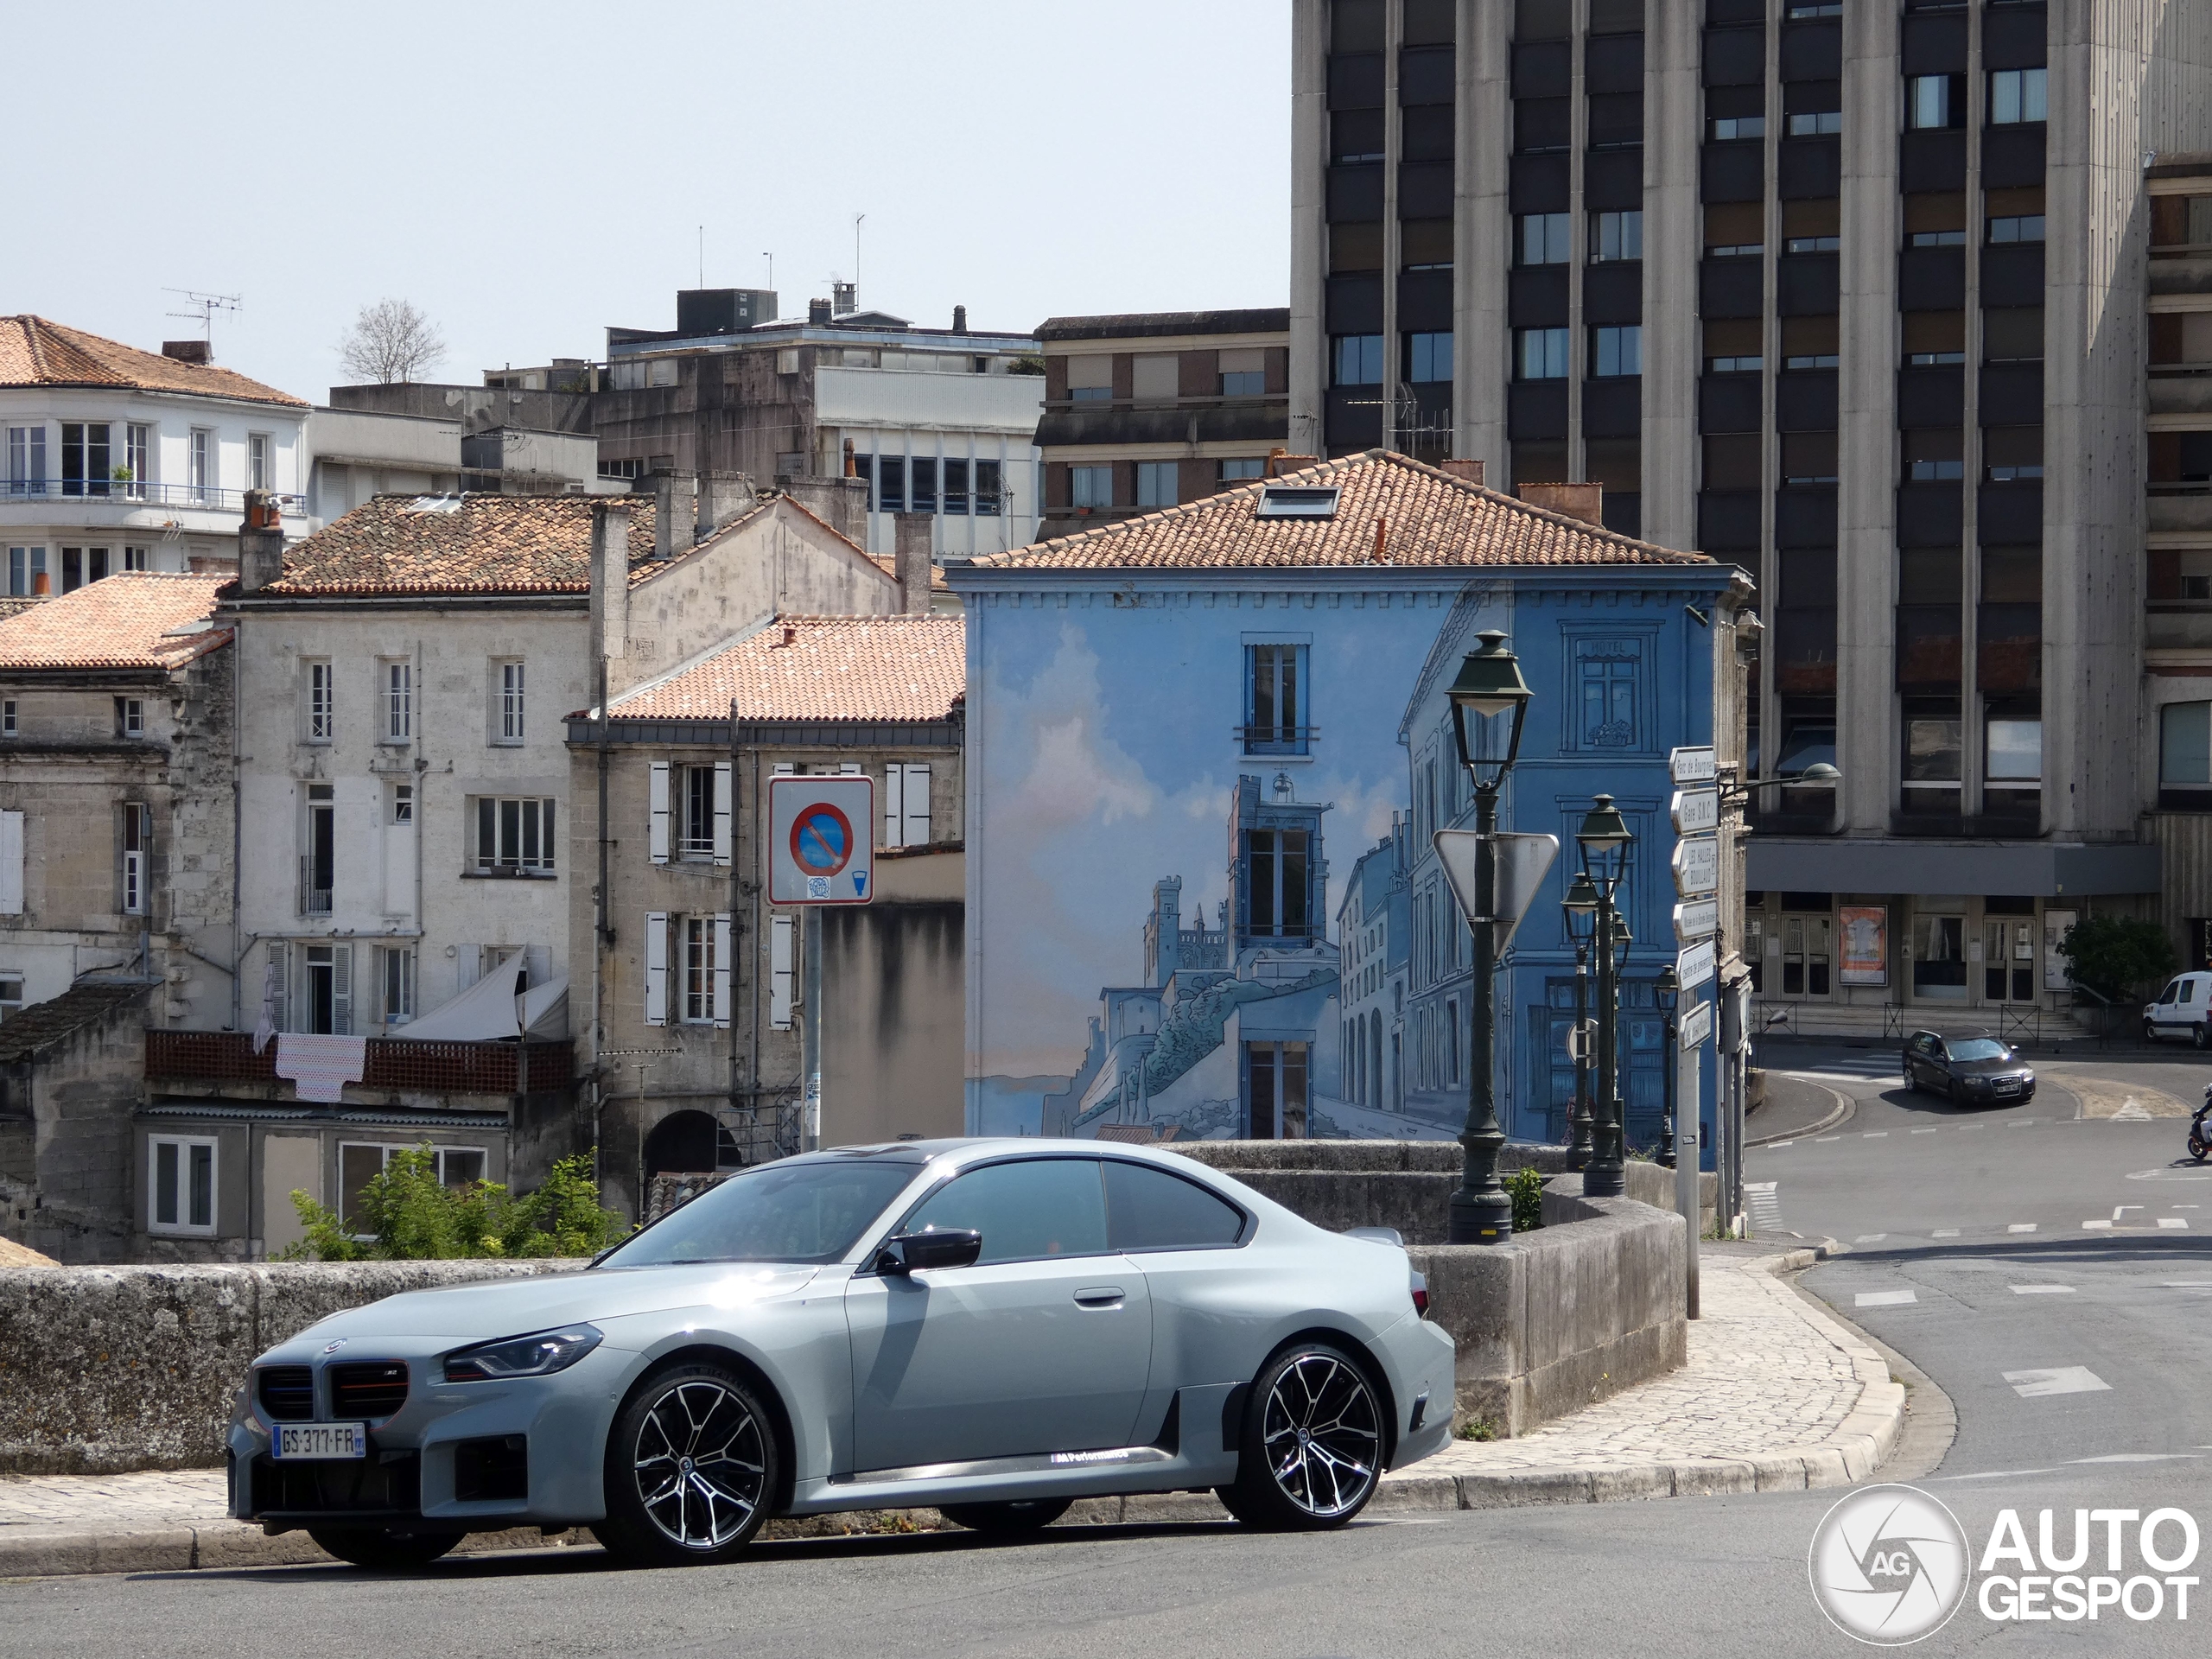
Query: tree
x=390, y=341
x=2113, y=955
x=410, y=1214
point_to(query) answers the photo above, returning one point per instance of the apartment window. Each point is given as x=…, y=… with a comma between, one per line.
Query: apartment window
x=1808, y=123
x=1358, y=359
x=11, y=996
x=257, y=461
x=697, y=942
x=85, y=462
x=403, y=804
x=955, y=486
x=1278, y=717
x=181, y=1195
x=890, y=484
x=782, y=977
x=1617, y=351
x=398, y=689
x=1156, y=483
x=81, y=565
x=633, y=467
x=1091, y=487
x=1428, y=358
x=136, y=558
x=1090, y=378
x=322, y=702
x=514, y=835
x=2012, y=752
x=1275, y=1085
x=137, y=834
x=2021, y=227
x=26, y=569
x=907, y=804
x=358, y=1164
x=130, y=717
x=1243, y=373
x=1278, y=891
x=921, y=483
x=1540, y=354
x=1934, y=101
x=509, y=675
x=397, y=978
x=1242, y=469
x=199, y=461
x=137, y=458
x=989, y=490
x=8, y=718
x=702, y=800
x=2017, y=95
x=2185, y=745
x=1724, y=127
x=319, y=856
x=1542, y=239
x=27, y=459
x=1616, y=235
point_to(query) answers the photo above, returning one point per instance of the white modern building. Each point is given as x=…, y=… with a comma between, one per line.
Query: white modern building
x=118, y=459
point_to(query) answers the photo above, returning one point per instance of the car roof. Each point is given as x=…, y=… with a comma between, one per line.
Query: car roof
x=968, y=1149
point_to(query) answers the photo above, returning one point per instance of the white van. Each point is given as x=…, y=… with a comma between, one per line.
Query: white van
x=2184, y=1009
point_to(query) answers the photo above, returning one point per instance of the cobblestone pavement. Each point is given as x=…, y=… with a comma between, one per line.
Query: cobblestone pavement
x=76, y=1503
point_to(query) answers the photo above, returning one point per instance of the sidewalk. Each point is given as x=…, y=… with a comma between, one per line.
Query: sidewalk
x=1776, y=1396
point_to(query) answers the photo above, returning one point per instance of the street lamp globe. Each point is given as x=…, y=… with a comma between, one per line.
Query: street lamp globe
x=1603, y=838
x=1820, y=773
x=1490, y=699
x=1666, y=988
x=1581, y=907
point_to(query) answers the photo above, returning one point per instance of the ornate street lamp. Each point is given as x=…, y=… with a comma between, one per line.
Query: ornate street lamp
x=1605, y=840
x=1581, y=907
x=1666, y=990
x=1489, y=701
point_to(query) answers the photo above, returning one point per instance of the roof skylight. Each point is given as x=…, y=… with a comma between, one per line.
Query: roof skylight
x=1298, y=501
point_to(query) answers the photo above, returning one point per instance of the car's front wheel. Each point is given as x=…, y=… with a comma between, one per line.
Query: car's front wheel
x=1007, y=1520
x=691, y=1468
x=384, y=1550
x=1312, y=1448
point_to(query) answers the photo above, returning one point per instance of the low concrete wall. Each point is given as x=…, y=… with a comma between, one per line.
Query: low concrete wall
x=104, y=1370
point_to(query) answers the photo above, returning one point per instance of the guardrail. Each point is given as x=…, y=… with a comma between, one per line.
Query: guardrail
x=131, y=494
x=392, y=1063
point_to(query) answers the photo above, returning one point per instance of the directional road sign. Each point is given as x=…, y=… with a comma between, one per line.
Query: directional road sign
x=1697, y=1026
x=1697, y=867
x=822, y=839
x=1693, y=967
x=1522, y=863
x=1696, y=811
x=1695, y=919
x=1692, y=766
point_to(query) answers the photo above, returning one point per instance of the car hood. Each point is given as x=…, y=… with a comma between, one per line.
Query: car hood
x=1989, y=1068
x=517, y=1306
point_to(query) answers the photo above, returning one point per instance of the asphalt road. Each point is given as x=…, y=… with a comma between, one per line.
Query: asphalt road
x=2077, y=1359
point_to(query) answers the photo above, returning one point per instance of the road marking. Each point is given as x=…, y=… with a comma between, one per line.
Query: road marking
x=1945, y=1232
x=2061, y=1379
x=2173, y=1221
x=2136, y=1456
x=1776, y=1146
x=1924, y=1131
x=2189, y=1284
x=1818, y=1138
x=2132, y=1112
x=1870, y=1238
x=1996, y=1474
x=2094, y=1225
x=2021, y=1227
x=1875, y=1134
x=1886, y=1298
x=2119, y=1209
x=2042, y=1290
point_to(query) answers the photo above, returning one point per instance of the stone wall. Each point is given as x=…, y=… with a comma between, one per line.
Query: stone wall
x=104, y=1370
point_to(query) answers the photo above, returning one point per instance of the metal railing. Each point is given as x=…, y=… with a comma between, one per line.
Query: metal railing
x=392, y=1063
x=314, y=900
x=2020, y=1019
x=131, y=492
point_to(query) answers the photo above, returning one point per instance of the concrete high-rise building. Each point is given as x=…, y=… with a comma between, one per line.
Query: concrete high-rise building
x=1776, y=273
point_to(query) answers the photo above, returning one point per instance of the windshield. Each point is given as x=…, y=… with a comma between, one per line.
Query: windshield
x=796, y=1210
x=1979, y=1048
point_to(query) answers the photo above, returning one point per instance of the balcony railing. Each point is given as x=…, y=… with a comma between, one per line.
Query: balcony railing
x=128, y=493
x=315, y=886
x=393, y=1063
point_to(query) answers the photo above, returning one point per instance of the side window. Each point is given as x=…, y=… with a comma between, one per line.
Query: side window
x=1152, y=1210
x=1026, y=1212
x=2172, y=991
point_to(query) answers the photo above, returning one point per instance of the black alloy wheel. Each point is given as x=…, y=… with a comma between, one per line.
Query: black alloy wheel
x=691, y=1468
x=1011, y=1520
x=382, y=1549
x=1312, y=1444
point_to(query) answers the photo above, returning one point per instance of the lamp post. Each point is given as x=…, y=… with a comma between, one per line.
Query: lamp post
x=1605, y=840
x=1581, y=907
x=1489, y=701
x=1666, y=990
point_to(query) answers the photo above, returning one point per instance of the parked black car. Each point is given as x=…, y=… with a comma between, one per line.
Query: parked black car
x=1973, y=1068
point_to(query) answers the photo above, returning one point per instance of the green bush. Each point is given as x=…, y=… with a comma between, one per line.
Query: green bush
x=2116, y=954
x=1528, y=1190
x=410, y=1214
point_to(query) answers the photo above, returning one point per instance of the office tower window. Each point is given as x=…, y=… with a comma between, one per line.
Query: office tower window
x=2011, y=453
x=1734, y=230
x=1933, y=337
x=1733, y=460
x=1815, y=8
x=921, y=475
x=1617, y=351
x=1356, y=135
x=1806, y=123
x=1935, y=101
x=990, y=488
x=890, y=484
x=1809, y=343
x=1616, y=235
x=1428, y=358
x=2185, y=745
x=1540, y=354
x=1933, y=455
x=2013, y=333
x=1356, y=247
x=1156, y=483
x=1542, y=239
x=2015, y=96
x=1722, y=128
x=2023, y=227
x=1091, y=487
x=1933, y=755
x=956, y=486
x=2012, y=750
x=1734, y=346
x=1358, y=359
x=1424, y=244
x=1809, y=458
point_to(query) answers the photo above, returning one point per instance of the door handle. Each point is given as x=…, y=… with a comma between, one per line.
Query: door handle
x=1099, y=1296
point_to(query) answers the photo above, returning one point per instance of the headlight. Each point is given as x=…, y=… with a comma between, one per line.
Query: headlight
x=534, y=1355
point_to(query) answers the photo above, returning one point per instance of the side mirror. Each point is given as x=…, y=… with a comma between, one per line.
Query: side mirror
x=955, y=1247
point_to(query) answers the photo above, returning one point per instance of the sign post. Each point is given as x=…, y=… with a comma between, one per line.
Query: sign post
x=1689, y=1049
x=821, y=851
x=1519, y=863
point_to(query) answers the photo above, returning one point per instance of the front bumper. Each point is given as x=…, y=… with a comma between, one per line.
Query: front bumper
x=456, y=1456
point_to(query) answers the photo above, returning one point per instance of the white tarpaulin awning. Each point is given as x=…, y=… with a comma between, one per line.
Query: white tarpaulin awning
x=485, y=1013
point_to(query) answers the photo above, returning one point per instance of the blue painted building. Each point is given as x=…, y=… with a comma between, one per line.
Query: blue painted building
x=1171, y=720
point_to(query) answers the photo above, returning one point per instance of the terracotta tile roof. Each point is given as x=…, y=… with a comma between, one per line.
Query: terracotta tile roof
x=36, y=352
x=889, y=566
x=487, y=543
x=128, y=621
x=819, y=668
x=1430, y=519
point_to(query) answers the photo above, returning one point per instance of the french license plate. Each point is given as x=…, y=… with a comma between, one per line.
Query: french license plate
x=319, y=1442
x=2008, y=1088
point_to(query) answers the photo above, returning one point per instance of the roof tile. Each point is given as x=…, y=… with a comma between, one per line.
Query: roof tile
x=890, y=668
x=36, y=352
x=487, y=543
x=126, y=620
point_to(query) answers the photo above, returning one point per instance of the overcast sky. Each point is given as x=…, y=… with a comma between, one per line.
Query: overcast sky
x=527, y=173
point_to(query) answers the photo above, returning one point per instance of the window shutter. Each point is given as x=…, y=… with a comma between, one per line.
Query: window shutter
x=11, y=863
x=779, y=973
x=721, y=811
x=914, y=830
x=468, y=966
x=280, y=981
x=656, y=960
x=656, y=839
x=341, y=989
x=722, y=968
x=893, y=782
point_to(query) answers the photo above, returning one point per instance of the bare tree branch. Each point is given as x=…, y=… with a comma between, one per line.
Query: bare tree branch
x=390, y=341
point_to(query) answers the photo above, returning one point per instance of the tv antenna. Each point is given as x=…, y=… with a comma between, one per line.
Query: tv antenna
x=204, y=307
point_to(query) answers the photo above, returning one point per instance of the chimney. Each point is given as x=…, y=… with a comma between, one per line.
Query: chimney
x=261, y=542
x=722, y=496
x=1469, y=471
x=851, y=464
x=817, y=312
x=610, y=580
x=672, y=516
x=912, y=532
x=1583, y=501
x=959, y=318
x=1281, y=461
x=188, y=351
x=41, y=584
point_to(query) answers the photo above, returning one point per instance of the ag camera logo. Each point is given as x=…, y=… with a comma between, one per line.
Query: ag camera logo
x=1889, y=1565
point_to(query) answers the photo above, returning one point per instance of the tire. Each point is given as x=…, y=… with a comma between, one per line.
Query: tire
x=2150, y=1031
x=691, y=1469
x=382, y=1549
x=2199, y=1148
x=1014, y=1520
x=2201, y=1035
x=1311, y=1447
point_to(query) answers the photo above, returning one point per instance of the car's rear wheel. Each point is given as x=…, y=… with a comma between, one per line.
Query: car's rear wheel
x=691, y=1468
x=1007, y=1520
x=1311, y=1447
x=381, y=1549
x=2201, y=1035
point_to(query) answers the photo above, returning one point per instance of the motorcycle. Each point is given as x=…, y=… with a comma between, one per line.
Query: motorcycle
x=2200, y=1133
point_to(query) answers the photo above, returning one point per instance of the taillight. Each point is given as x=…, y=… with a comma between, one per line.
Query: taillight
x=1420, y=1300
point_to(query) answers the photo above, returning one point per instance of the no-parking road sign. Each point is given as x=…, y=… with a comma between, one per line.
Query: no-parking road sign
x=822, y=839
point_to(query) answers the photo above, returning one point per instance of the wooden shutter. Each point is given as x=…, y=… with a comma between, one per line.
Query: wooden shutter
x=721, y=811
x=914, y=826
x=657, y=838
x=779, y=973
x=657, y=961
x=722, y=968
x=11, y=863
x=341, y=990
x=280, y=983
x=894, y=775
